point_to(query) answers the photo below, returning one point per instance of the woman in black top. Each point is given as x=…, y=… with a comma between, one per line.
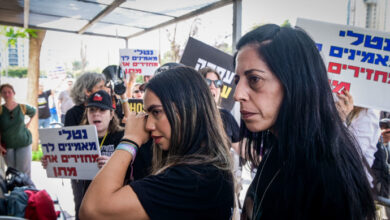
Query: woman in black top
x=213, y=80
x=310, y=165
x=191, y=177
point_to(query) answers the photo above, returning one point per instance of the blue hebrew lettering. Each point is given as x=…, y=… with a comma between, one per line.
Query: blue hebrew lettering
x=375, y=43
x=85, y=135
x=382, y=60
x=359, y=40
x=76, y=134
x=125, y=58
x=92, y=146
x=68, y=133
x=84, y=146
x=369, y=57
x=352, y=54
x=387, y=47
x=61, y=146
x=77, y=146
x=47, y=147
x=52, y=146
x=336, y=51
x=319, y=47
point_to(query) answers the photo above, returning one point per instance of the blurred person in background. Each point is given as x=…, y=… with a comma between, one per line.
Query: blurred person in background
x=137, y=92
x=65, y=102
x=43, y=107
x=15, y=138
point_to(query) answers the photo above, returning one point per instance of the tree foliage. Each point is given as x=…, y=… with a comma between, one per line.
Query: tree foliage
x=13, y=33
x=16, y=72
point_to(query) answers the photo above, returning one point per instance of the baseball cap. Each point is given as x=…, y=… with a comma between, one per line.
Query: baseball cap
x=167, y=66
x=100, y=99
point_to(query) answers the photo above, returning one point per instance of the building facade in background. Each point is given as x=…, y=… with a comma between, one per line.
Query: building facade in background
x=13, y=56
x=374, y=14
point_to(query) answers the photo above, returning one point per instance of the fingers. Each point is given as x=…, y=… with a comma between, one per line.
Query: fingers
x=102, y=160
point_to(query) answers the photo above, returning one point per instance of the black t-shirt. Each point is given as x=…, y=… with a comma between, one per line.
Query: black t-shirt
x=187, y=192
x=74, y=115
x=110, y=143
x=143, y=161
x=230, y=124
x=43, y=105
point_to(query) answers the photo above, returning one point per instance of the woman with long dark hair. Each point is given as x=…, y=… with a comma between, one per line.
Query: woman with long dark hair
x=308, y=163
x=191, y=176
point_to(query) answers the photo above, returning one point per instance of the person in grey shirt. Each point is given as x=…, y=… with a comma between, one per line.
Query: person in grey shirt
x=65, y=101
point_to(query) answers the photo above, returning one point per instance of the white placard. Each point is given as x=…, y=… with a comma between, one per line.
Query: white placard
x=139, y=61
x=357, y=59
x=71, y=152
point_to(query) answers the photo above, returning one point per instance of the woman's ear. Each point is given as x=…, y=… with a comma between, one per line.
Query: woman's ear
x=87, y=93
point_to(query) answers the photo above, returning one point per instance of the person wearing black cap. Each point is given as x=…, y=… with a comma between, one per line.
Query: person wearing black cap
x=99, y=112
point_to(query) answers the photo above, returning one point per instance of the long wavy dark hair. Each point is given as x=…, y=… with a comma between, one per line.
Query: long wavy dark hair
x=310, y=135
x=197, y=131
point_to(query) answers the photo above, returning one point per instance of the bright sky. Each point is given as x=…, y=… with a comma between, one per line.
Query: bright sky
x=62, y=48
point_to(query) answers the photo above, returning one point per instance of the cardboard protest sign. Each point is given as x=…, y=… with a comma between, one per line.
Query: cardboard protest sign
x=71, y=152
x=136, y=105
x=141, y=62
x=199, y=55
x=357, y=59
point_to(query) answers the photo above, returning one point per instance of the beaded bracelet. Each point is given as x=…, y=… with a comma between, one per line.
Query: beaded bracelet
x=130, y=142
x=131, y=148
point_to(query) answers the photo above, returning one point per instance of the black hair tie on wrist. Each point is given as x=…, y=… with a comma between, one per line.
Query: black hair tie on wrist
x=130, y=141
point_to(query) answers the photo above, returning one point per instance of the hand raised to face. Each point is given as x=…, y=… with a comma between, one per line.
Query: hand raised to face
x=135, y=128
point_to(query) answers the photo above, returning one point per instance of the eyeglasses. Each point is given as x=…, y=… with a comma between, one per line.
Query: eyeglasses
x=138, y=91
x=217, y=83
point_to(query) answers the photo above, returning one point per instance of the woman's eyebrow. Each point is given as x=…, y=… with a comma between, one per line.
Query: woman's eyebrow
x=150, y=108
x=253, y=70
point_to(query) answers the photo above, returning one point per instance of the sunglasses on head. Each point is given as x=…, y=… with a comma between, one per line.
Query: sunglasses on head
x=217, y=83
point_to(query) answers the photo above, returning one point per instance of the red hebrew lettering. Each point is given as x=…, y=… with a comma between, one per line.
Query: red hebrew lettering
x=55, y=171
x=369, y=73
x=380, y=73
x=95, y=156
x=339, y=86
x=125, y=63
x=334, y=68
x=356, y=69
x=64, y=159
x=72, y=171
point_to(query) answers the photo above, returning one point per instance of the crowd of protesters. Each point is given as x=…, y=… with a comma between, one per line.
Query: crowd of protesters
x=313, y=152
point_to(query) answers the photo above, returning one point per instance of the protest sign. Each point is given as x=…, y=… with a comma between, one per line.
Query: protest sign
x=71, y=152
x=136, y=105
x=357, y=59
x=199, y=55
x=139, y=61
